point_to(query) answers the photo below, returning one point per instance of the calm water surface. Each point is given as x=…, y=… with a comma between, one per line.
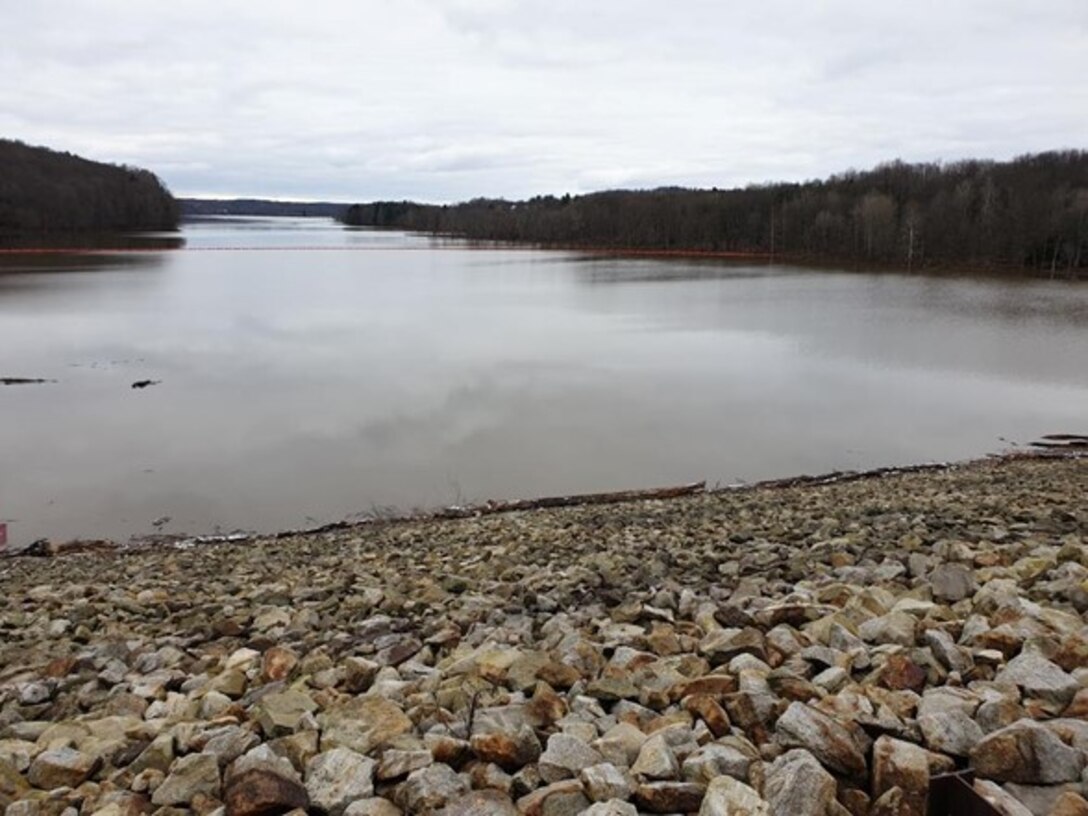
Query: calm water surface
x=329, y=373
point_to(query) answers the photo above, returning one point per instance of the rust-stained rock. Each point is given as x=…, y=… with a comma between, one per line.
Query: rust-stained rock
x=278, y=663
x=263, y=793
x=509, y=751
x=669, y=797
x=61, y=767
x=905, y=767
x=1026, y=752
x=706, y=708
x=900, y=672
x=834, y=744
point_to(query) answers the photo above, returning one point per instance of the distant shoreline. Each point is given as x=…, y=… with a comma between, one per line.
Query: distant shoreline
x=155, y=241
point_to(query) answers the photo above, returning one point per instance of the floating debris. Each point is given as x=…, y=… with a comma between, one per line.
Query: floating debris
x=24, y=381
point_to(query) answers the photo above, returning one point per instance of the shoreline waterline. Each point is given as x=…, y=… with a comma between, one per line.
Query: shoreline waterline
x=844, y=643
x=492, y=507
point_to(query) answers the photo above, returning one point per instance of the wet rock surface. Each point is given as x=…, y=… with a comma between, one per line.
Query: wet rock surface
x=810, y=649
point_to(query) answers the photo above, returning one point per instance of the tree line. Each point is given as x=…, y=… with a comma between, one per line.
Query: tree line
x=1030, y=214
x=45, y=191
x=201, y=207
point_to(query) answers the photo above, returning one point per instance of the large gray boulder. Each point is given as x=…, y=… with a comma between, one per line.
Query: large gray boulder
x=336, y=778
x=797, y=784
x=1026, y=752
x=802, y=726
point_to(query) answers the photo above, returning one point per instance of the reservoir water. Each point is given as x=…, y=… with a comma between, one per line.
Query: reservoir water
x=309, y=373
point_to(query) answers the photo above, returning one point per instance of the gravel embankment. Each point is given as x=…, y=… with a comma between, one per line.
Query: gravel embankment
x=802, y=650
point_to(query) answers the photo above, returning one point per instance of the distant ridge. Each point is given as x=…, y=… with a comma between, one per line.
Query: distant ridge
x=44, y=191
x=196, y=207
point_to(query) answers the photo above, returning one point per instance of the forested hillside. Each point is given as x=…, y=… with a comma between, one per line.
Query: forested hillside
x=1030, y=213
x=43, y=191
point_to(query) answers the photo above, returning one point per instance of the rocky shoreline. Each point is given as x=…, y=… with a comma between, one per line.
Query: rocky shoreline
x=821, y=649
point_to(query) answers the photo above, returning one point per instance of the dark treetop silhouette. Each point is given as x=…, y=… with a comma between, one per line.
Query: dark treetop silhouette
x=1030, y=214
x=43, y=191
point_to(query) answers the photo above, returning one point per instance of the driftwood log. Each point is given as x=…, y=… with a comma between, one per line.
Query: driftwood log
x=492, y=507
x=1062, y=442
x=614, y=497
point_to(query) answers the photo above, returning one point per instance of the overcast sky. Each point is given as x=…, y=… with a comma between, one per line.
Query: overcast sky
x=443, y=100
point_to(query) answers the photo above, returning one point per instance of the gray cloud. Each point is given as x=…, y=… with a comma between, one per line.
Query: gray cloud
x=449, y=99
